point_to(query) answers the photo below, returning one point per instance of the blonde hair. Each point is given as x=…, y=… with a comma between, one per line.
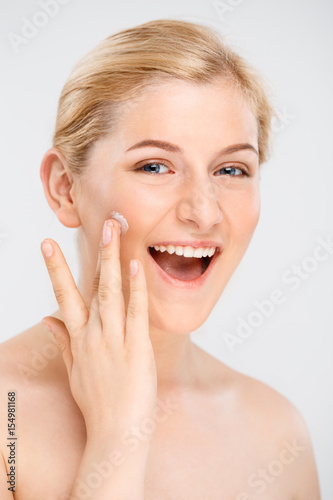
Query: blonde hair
x=132, y=60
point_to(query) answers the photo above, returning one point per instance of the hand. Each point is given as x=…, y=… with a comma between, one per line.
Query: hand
x=108, y=356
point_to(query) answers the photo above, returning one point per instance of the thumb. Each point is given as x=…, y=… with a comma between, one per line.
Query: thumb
x=61, y=335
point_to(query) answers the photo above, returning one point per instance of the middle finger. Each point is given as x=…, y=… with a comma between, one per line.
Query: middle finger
x=110, y=295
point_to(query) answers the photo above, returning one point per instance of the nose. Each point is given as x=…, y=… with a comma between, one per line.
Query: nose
x=199, y=205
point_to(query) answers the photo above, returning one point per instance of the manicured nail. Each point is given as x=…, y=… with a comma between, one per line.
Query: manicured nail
x=47, y=248
x=107, y=232
x=133, y=267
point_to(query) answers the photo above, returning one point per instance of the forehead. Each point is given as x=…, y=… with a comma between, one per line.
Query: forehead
x=174, y=106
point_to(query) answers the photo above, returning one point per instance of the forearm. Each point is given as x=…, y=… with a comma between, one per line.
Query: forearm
x=110, y=473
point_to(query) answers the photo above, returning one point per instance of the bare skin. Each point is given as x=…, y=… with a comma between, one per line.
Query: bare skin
x=218, y=433
x=207, y=445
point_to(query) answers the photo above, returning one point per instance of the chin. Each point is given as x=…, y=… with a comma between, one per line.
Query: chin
x=177, y=319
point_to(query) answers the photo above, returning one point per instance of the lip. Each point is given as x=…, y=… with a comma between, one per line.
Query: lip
x=191, y=284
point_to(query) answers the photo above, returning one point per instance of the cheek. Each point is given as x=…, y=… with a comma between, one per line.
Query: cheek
x=144, y=206
x=251, y=213
x=243, y=213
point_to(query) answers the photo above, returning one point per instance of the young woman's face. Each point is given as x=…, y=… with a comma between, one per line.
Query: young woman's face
x=202, y=188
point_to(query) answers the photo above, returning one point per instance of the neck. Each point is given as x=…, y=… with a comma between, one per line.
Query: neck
x=176, y=359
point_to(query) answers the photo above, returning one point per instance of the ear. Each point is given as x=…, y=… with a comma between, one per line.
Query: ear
x=59, y=187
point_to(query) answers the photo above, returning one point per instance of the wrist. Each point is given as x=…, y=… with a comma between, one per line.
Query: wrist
x=120, y=471
x=128, y=439
x=118, y=448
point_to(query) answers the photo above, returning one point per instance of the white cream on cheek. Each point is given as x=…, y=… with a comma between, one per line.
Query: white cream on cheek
x=121, y=219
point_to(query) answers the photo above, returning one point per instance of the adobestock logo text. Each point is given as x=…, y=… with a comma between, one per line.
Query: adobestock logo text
x=292, y=279
x=31, y=27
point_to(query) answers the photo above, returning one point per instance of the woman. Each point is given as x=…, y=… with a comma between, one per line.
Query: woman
x=160, y=134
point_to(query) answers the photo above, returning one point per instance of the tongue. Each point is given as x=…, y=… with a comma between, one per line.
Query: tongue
x=178, y=266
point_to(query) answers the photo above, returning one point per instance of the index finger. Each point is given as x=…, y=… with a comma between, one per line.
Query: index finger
x=70, y=301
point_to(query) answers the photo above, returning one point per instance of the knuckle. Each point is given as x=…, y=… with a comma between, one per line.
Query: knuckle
x=60, y=295
x=104, y=257
x=52, y=268
x=95, y=285
x=135, y=288
x=104, y=293
x=132, y=311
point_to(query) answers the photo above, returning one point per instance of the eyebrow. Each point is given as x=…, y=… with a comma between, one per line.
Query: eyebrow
x=173, y=148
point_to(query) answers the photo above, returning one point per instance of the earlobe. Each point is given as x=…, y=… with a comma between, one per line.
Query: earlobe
x=58, y=185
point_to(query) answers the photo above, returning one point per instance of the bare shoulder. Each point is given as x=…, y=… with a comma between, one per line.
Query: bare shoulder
x=48, y=425
x=27, y=356
x=250, y=394
x=279, y=427
x=21, y=361
x=31, y=366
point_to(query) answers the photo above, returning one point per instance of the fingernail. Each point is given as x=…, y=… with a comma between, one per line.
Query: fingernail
x=47, y=248
x=107, y=232
x=133, y=267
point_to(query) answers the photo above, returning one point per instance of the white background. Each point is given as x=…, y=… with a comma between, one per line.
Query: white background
x=290, y=41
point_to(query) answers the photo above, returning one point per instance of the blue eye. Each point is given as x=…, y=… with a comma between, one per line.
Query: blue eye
x=155, y=166
x=232, y=171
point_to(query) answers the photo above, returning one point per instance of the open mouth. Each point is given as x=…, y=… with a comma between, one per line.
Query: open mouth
x=181, y=267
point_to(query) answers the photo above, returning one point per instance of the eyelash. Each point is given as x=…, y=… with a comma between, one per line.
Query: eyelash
x=244, y=173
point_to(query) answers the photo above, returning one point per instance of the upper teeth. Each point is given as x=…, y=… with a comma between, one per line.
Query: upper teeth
x=187, y=251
